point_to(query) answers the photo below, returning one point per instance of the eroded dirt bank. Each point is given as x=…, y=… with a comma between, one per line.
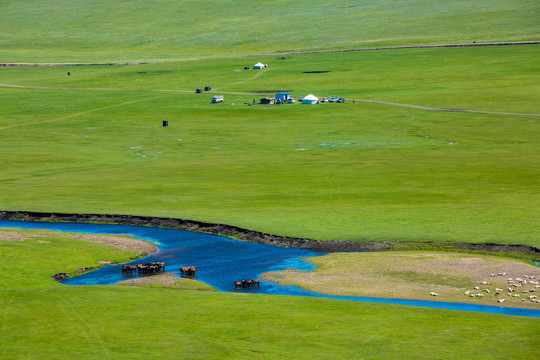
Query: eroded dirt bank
x=256, y=236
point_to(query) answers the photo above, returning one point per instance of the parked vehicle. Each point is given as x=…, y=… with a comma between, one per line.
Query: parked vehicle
x=291, y=101
x=217, y=99
x=207, y=88
x=340, y=100
x=199, y=90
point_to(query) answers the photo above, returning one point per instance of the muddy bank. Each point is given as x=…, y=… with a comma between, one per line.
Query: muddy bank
x=259, y=237
x=399, y=48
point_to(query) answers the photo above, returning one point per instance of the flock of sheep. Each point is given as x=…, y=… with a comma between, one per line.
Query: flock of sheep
x=524, y=285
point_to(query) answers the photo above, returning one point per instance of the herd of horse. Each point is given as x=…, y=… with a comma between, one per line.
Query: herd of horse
x=246, y=283
x=186, y=271
x=148, y=268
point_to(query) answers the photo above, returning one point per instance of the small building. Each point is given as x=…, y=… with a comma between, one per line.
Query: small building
x=267, y=101
x=310, y=99
x=283, y=97
x=260, y=66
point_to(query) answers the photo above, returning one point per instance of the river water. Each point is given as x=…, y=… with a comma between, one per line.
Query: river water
x=222, y=261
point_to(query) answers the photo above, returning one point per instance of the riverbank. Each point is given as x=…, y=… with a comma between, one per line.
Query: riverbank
x=517, y=251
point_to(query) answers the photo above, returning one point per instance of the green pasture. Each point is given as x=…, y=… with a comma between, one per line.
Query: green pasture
x=42, y=319
x=137, y=30
x=356, y=171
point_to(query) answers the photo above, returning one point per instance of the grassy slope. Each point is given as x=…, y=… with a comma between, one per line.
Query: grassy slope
x=386, y=173
x=42, y=319
x=81, y=31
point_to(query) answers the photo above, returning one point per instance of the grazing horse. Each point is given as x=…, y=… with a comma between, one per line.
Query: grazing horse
x=188, y=270
x=128, y=268
x=238, y=284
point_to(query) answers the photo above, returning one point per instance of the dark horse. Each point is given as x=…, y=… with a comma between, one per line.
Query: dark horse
x=246, y=283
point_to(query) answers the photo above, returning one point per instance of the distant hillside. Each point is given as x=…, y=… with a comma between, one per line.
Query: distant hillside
x=151, y=30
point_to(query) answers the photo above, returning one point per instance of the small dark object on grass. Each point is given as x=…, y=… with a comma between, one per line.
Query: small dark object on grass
x=199, y=90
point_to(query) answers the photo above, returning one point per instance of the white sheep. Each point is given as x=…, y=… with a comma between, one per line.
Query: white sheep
x=501, y=300
x=433, y=294
x=486, y=290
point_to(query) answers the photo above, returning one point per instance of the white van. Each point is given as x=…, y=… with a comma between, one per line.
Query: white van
x=217, y=99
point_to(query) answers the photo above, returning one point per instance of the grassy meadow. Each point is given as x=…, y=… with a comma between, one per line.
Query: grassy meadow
x=356, y=171
x=92, y=142
x=415, y=275
x=42, y=319
x=144, y=30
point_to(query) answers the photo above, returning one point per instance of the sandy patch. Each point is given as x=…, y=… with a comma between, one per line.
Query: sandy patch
x=122, y=242
x=417, y=275
x=167, y=280
x=9, y=234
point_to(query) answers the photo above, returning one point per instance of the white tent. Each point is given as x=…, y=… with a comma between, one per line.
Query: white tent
x=259, y=66
x=310, y=99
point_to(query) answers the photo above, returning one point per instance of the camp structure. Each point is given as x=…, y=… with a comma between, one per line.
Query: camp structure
x=259, y=66
x=310, y=99
x=283, y=97
x=268, y=101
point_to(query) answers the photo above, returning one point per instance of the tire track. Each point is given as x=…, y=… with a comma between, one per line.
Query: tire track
x=246, y=93
x=444, y=109
x=75, y=114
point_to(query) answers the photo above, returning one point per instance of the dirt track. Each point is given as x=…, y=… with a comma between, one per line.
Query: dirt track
x=299, y=53
x=400, y=47
x=258, y=94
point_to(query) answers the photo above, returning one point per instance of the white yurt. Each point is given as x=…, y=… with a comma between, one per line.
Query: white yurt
x=259, y=66
x=310, y=99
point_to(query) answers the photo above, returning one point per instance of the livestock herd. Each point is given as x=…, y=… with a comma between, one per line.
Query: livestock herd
x=186, y=271
x=525, y=284
x=148, y=268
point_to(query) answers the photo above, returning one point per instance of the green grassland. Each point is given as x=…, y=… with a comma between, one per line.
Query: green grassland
x=42, y=319
x=93, y=143
x=356, y=171
x=137, y=30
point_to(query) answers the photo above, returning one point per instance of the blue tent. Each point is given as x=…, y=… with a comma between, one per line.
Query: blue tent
x=284, y=96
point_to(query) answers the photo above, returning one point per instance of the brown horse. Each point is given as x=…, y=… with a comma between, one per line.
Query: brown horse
x=188, y=270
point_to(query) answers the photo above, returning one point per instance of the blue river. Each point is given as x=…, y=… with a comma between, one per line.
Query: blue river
x=221, y=261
